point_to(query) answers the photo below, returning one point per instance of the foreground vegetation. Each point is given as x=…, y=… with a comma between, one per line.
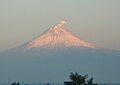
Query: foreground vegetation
x=77, y=79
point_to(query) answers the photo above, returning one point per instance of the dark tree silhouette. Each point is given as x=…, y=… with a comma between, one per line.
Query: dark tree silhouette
x=18, y=83
x=78, y=79
x=90, y=82
x=14, y=83
x=48, y=84
x=83, y=79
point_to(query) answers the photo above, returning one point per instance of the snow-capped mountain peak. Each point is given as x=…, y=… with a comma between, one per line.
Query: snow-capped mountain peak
x=58, y=36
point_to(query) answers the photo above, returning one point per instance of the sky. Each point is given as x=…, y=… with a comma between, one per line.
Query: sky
x=95, y=21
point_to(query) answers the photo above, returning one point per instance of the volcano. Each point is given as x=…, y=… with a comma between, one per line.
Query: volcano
x=56, y=53
x=58, y=36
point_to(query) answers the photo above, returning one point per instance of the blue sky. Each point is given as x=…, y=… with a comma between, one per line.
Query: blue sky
x=96, y=21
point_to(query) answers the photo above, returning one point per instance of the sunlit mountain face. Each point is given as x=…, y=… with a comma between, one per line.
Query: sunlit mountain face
x=57, y=36
x=53, y=55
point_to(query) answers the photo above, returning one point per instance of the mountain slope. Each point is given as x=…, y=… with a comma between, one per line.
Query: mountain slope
x=30, y=62
x=57, y=36
x=46, y=65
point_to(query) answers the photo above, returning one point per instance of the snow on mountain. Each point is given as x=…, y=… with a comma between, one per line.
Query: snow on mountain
x=58, y=36
x=30, y=63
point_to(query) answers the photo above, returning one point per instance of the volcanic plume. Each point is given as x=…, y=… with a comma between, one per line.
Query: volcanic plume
x=32, y=62
x=58, y=36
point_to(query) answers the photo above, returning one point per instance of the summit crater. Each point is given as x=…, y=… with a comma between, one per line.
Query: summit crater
x=58, y=36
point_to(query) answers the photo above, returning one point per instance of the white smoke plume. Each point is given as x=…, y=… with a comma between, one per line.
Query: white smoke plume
x=62, y=24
